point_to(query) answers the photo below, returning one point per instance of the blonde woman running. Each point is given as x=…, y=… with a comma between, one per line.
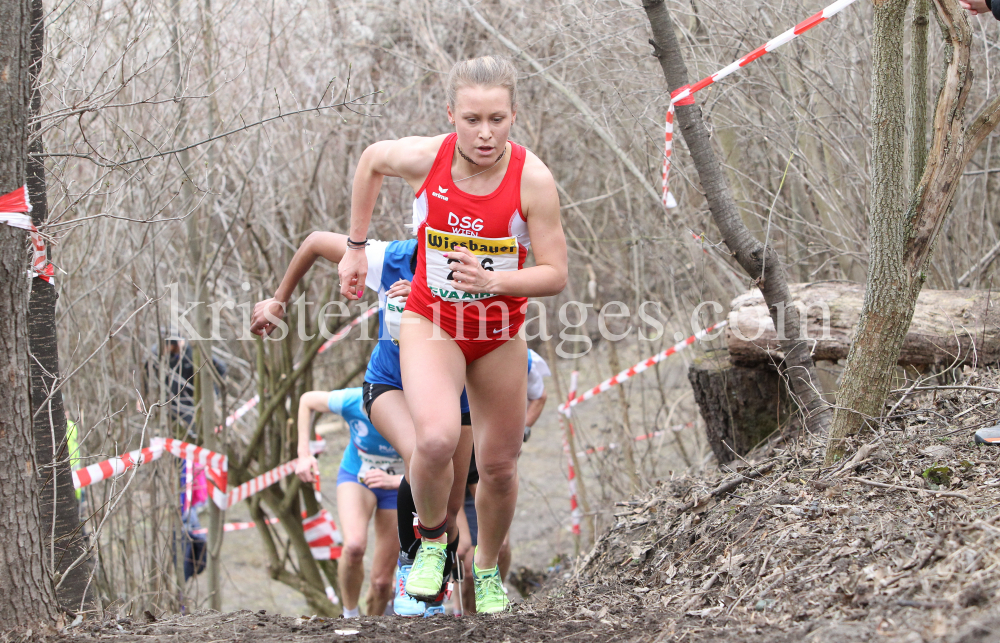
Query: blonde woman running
x=481, y=202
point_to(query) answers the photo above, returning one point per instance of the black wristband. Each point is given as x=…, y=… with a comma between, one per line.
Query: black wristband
x=356, y=244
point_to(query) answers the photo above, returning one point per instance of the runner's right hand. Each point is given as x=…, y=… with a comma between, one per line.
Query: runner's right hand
x=353, y=269
x=259, y=322
x=306, y=468
x=399, y=289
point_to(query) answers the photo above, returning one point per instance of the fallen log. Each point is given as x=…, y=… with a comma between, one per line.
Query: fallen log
x=949, y=326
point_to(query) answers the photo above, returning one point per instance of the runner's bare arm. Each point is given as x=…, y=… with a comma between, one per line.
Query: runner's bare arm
x=306, y=468
x=329, y=245
x=547, y=277
x=410, y=158
x=535, y=409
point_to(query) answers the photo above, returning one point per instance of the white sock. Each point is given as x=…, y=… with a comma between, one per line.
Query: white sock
x=354, y=613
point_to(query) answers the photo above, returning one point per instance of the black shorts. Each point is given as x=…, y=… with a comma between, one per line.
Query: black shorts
x=472, y=517
x=370, y=393
x=473, y=472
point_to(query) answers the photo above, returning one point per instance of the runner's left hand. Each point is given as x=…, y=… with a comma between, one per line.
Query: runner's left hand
x=469, y=276
x=378, y=479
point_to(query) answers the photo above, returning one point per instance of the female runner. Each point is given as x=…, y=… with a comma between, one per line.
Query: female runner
x=370, y=473
x=481, y=202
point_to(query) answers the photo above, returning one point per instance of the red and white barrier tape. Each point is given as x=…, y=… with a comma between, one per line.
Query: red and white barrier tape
x=685, y=95
x=261, y=482
x=640, y=367
x=115, y=466
x=14, y=209
x=321, y=533
x=342, y=333
x=323, y=536
x=640, y=438
x=574, y=506
x=235, y=526
x=216, y=468
x=247, y=406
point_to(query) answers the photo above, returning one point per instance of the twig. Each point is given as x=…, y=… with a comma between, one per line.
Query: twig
x=729, y=485
x=954, y=387
x=115, y=164
x=949, y=494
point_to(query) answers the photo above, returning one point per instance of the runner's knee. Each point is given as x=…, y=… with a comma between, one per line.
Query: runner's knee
x=382, y=585
x=498, y=474
x=437, y=448
x=354, y=551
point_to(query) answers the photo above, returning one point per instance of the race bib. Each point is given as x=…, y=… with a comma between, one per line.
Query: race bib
x=393, y=314
x=391, y=465
x=493, y=254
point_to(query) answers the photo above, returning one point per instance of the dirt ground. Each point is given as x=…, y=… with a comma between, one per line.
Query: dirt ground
x=898, y=544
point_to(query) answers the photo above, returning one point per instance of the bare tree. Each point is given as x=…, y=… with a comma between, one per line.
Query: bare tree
x=29, y=599
x=64, y=537
x=760, y=261
x=902, y=237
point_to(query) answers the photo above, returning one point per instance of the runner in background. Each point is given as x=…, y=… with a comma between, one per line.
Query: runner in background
x=392, y=265
x=369, y=475
x=468, y=521
x=481, y=202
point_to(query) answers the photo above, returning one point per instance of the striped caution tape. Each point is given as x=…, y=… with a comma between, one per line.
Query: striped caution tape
x=574, y=506
x=235, y=526
x=640, y=367
x=216, y=468
x=323, y=537
x=115, y=466
x=685, y=95
x=14, y=209
x=648, y=436
x=321, y=532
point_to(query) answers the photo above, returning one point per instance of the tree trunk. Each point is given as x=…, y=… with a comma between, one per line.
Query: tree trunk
x=759, y=261
x=60, y=508
x=29, y=598
x=902, y=239
x=918, y=92
x=741, y=406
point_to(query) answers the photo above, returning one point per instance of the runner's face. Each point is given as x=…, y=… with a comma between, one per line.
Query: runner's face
x=482, y=117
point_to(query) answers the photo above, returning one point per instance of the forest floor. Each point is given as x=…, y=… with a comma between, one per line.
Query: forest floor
x=895, y=544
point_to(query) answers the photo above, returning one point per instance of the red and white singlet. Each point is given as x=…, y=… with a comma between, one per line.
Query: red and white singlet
x=493, y=228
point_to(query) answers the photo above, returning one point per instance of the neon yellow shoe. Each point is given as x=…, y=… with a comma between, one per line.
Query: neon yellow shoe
x=427, y=575
x=490, y=595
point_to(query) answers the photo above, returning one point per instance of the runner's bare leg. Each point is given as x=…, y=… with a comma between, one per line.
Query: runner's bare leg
x=355, y=506
x=383, y=576
x=433, y=370
x=391, y=418
x=492, y=382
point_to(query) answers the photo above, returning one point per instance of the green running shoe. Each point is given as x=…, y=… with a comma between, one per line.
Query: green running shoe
x=427, y=575
x=490, y=595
